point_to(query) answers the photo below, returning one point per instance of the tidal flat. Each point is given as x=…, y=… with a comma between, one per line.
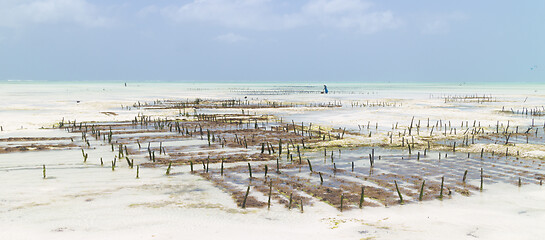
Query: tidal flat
x=272, y=161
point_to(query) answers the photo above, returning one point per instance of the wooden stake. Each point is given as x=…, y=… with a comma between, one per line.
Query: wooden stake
x=421, y=191
x=245, y=197
x=321, y=178
x=168, y=169
x=441, y=194
x=250, y=170
x=399, y=193
x=270, y=193
x=362, y=196
x=481, y=179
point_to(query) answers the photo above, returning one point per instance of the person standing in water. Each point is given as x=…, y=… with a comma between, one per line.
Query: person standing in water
x=325, y=89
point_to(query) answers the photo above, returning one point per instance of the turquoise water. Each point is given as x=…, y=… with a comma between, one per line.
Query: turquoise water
x=339, y=87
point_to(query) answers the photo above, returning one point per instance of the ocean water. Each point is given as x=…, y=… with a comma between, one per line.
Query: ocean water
x=35, y=104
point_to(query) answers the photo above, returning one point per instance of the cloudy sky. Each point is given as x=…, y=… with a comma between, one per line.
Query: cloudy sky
x=266, y=40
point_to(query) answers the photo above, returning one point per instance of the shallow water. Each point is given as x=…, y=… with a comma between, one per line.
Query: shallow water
x=85, y=200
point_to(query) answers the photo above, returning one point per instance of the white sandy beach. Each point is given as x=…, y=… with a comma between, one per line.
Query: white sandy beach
x=87, y=201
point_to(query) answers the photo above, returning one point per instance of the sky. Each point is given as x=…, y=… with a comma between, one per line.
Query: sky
x=273, y=41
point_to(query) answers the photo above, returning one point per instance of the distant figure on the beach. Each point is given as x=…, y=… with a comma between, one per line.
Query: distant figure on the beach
x=325, y=90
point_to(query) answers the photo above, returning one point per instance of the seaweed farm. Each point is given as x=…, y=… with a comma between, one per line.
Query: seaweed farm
x=297, y=164
x=345, y=159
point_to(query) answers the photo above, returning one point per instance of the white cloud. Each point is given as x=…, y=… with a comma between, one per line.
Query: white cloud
x=16, y=13
x=148, y=10
x=261, y=14
x=333, y=7
x=350, y=14
x=238, y=13
x=441, y=24
x=231, y=38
